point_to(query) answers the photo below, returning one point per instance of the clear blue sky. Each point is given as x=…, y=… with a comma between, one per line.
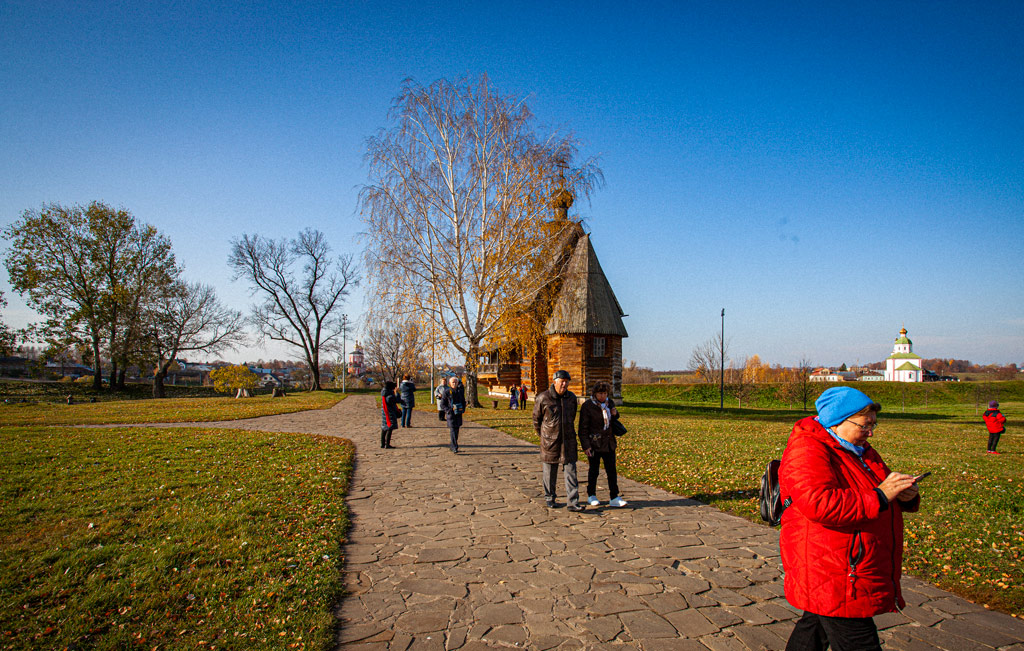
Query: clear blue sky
x=827, y=172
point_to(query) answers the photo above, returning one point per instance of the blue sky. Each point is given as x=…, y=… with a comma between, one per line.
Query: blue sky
x=826, y=172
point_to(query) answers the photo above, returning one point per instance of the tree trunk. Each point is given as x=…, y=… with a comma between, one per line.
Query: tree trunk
x=158, y=384
x=122, y=376
x=97, y=373
x=472, y=399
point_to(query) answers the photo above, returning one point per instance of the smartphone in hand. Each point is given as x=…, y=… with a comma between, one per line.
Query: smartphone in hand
x=920, y=477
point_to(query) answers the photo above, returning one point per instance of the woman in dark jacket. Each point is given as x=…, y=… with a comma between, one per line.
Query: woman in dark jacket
x=408, y=392
x=390, y=413
x=452, y=405
x=598, y=441
x=842, y=534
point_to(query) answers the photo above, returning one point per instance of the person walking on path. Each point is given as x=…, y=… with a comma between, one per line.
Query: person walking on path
x=438, y=394
x=407, y=390
x=390, y=413
x=513, y=397
x=554, y=416
x=995, y=422
x=452, y=404
x=599, y=443
x=842, y=533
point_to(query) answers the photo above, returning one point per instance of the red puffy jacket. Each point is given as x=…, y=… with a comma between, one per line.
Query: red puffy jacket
x=841, y=553
x=994, y=421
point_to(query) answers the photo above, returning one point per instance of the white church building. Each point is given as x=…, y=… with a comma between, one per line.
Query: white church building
x=903, y=365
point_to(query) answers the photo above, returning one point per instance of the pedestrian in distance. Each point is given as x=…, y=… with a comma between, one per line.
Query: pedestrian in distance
x=554, y=420
x=599, y=443
x=995, y=422
x=453, y=404
x=407, y=391
x=390, y=413
x=842, y=532
x=522, y=396
x=513, y=397
x=438, y=393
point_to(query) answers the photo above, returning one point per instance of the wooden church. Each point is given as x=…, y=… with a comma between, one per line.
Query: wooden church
x=582, y=319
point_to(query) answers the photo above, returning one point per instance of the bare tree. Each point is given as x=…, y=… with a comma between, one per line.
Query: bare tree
x=301, y=309
x=459, y=189
x=394, y=349
x=707, y=359
x=633, y=374
x=188, y=317
x=802, y=387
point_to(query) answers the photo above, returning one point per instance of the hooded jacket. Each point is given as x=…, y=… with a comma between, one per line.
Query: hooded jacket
x=554, y=420
x=842, y=551
x=994, y=421
x=408, y=392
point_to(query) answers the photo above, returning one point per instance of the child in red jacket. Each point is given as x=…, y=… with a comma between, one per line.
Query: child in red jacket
x=994, y=422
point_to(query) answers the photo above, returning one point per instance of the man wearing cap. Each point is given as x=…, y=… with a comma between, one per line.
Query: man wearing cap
x=842, y=534
x=554, y=416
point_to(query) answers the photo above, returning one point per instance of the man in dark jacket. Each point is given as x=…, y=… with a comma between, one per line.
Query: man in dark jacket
x=554, y=416
x=408, y=392
x=452, y=404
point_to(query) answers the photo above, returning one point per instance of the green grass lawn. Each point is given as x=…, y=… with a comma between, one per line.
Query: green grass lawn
x=165, y=410
x=968, y=537
x=170, y=538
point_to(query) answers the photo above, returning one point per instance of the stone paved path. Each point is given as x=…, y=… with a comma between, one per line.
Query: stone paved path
x=459, y=552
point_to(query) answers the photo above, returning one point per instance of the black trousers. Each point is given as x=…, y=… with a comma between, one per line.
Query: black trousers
x=818, y=632
x=993, y=440
x=609, y=469
x=385, y=436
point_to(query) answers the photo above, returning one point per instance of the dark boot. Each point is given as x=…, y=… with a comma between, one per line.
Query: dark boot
x=383, y=436
x=387, y=439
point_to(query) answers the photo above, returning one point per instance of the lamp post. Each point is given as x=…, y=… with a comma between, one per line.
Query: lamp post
x=721, y=373
x=344, y=353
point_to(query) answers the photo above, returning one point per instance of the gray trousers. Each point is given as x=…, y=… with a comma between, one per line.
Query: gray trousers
x=549, y=473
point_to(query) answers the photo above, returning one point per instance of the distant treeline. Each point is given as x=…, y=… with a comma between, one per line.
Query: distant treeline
x=779, y=395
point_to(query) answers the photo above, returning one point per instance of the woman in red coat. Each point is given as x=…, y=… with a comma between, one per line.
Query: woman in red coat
x=995, y=422
x=842, y=534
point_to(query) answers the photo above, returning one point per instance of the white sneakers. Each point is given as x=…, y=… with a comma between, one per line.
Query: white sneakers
x=615, y=501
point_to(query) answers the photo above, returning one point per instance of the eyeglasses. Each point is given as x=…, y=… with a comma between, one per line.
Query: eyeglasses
x=864, y=427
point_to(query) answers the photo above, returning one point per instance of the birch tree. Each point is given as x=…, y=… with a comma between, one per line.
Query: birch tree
x=459, y=190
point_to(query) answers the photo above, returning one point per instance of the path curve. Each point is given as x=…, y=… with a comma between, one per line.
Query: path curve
x=459, y=552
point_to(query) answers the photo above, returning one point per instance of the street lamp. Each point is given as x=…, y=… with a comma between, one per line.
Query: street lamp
x=721, y=373
x=344, y=353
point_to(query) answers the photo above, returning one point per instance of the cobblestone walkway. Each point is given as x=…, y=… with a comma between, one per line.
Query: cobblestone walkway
x=459, y=552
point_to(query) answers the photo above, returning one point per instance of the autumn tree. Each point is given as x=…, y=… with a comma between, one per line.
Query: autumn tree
x=85, y=269
x=708, y=358
x=459, y=188
x=8, y=337
x=300, y=307
x=187, y=317
x=237, y=378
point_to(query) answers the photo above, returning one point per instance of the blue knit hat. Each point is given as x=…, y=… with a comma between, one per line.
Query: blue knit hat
x=839, y=403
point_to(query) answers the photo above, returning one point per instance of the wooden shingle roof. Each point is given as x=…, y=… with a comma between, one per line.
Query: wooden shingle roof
x=586, y=303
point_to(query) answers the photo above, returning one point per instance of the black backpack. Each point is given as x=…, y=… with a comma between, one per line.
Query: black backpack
x=770, y=498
